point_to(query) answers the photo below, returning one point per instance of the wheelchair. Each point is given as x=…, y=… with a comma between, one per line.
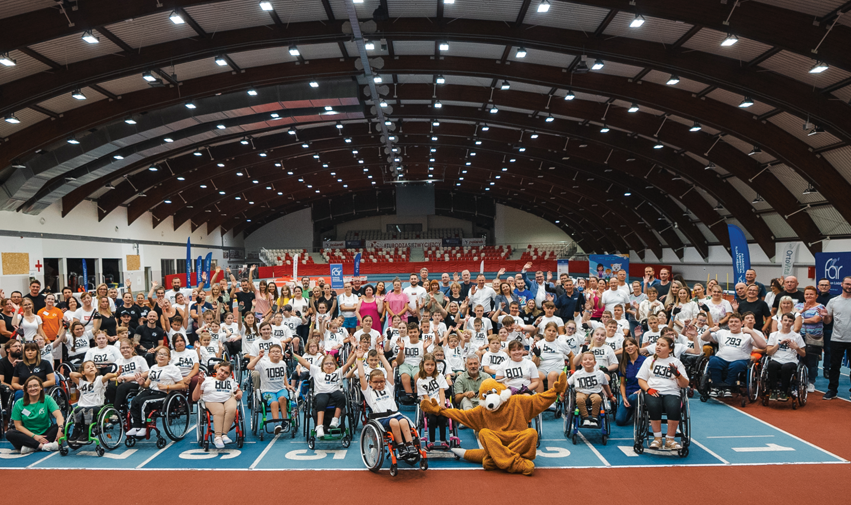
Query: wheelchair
x=452, y=427
x=573, y=421
x=694, y=370
x=356, y=405
x=642, y=430
x=798, y=384
x=7, y=400
x=204, y=427
x=61, y=392
x=175, y=412
x=341, y=432
x=260, y=422
x=375, y=441
x=106, y=431
x=746, y=387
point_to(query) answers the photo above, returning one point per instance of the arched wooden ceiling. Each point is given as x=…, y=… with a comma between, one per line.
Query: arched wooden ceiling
x=675, y=201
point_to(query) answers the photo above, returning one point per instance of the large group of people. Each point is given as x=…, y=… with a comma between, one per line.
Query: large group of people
x=444, y=336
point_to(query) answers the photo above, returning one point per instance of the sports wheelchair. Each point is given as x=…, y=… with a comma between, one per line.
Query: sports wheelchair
x=573, y=421
x=106, y=431
x=341, y=432
x=797, y=386
x=175, y=412
x=642, y=430
x=260, y=419
x=452, y=426
x=375, y=441
x=204, y=426
x=745, y=387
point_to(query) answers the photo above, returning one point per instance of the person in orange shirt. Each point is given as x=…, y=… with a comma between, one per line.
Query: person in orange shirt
x=51, y=318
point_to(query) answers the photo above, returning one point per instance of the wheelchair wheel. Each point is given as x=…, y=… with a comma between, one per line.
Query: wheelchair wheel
x=704, y=385
x=372, y=447
x=539, y=427
x=60, y=396
x=110, y=432
x=394, y=470
x=685, y=423
x=161, y=442
x=240, y=434
x=201, y=425
x=294, y=421
x=569, y=415
x=255, y=420
x=753, y=381
x=355, y=405
x=639, y=426
x=176, y=412
x=803, y=378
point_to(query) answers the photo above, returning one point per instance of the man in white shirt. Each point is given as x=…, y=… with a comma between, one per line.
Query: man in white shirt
x=414, y=292
x=622, y=285
x=175, y=289
x=614, y=296
x=482, y=294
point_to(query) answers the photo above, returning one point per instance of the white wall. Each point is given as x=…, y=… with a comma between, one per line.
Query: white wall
x=82, y=222
x=292, y=231
x=513, y=226
x=380, y=223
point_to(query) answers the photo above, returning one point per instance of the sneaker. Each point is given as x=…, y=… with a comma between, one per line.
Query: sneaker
x=671, y=444
x=226, y=439
x=830, y=395
x=132, y=432
x=811, y=388
x=713, y=393
x=794, y=393
x=656, y=443
x=335, y=423
x=728, y=394
x=142, y=432
x=772, y=396
x=320, y=431
x=82, y=437
x=278, y=429
x=113, y=419
x=783, y=397
x=826, y=373
x=218, y=443
x=26, y=450
x=430, y=446
x=52, y=446
x=586, y=422
x=443, y=444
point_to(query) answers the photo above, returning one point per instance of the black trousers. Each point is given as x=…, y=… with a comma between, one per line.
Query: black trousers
x=19, y=439
x=138, y=407
x=786, y=371
x=117, y=394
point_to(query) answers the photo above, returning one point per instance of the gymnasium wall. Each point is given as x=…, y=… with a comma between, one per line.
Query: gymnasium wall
x=512, y=226
x=292, y=231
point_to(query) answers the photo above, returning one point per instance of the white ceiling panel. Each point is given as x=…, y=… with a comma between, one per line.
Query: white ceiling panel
x=9, y=8
x=619, y=69
x=829, y=220
x=793, y=181
x=495, y=10
x=653, y=30
x=71, y=49
x=567, y=16
x=409, y=9
x=151, y=30
x=320, y=51
x=472, y=50
x=778, y=225
x=746, y=148
x=66, y=102
x=841, y=160
x=798, y=67
x=794, y=126
x=125, y=85
x=709, y=41
x=197, y=68
x=816, y=8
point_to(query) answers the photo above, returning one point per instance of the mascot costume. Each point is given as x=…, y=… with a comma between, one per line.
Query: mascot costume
x=502, y=422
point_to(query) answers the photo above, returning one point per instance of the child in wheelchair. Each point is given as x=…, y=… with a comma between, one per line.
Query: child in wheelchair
x=551, y=353
x=432, y=384
x=91, y=389
x=220, y=394
x=734, y=353
x=377, y=388
x=520, y=375
x=784, y=347
x=312, y=355
x=661, y=378
x=274, y=389
x=327, y=389
x=589, y=383
x=605, y=357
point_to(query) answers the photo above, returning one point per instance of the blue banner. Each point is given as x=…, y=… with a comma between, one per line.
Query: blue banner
x=740, y=253
x=85, y=277
x=830, y=266
x=606, y=266
x=357, y=265
x=336, y=276
x=188, y=262
x=207, y=262
x=199, y=265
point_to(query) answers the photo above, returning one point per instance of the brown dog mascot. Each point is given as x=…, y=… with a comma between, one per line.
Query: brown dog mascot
x=502, y=422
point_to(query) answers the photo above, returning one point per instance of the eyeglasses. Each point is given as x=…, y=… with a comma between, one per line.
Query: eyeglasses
x=162, y=354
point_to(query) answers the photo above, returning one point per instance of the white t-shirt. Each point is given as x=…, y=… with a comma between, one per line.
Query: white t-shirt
x=688, y=311
x=85, y=317
x=605, y=356
x=650, y=337
x=291, y=322
x=414, y=294
x=623, y=325
x=615, y=342
x=130, y=367
x=516, y=374
x=478, y=340
x=273, y=376
x=544, y=320
x=168, y=375
x=30, y=327
x=350, y=300
x=494, y=359
x=779, y=318
x=82, y=344
x=414, y=353
x=611, y=298
x=184, y=360
x=574, y=342
x=373, y=337
x=171, y=294
x=282, y=332
x=484, y=297
x=440, y=330
x=720, y=311
x=430, y=387
x=553, y=353
x=91, y=393
x=588, y=382
x=47, y=352
x=248, y=338
x=264, y=345
x=214, y=390
x=679, y=349
x=335, y=339
x=324, y=383
x=658, y=375
x=785, y=354
x=733, y=346
x=487, y=325
x=380, y=401
x=227, y=331
x=456, y=358
x=313, y=359
x=108, y=354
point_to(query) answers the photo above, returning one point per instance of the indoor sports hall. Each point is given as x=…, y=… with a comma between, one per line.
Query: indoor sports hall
x=426, y=250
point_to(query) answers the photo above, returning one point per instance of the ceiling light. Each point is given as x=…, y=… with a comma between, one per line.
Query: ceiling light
x=262, y=154
x=493, y=109
x=73, y=141
x=221, y=126
x=382, y=103
x=237, y=198
x=275, y=115
x=130, y=120
x=280, y=193
x=627, y=194
x=550, y=119
x=440, y=79
x=166, y=201
x=221, y=192
x=90, y=38
x=604, y=129
x=434, y=138
x=190, y=105
x=521, y=149
x=633, y=108
x=220, y=165
x=339, y=125
x=658, y=145
x=294, y=50
x=348, y=140
x=521, y=53
x=569, y=95
x=196, y=153
x=176, y=18
x=478, y=142
x=755, y=150
x=315, y=156
x=168, y=140
x=244, y=141
x=747, y=102
x=810, y=190
x=819, y=67
x=118, y=157
x=485, y=127
x=266, y=6
x=369, y=45
x=544, y=6
x=598, y=64
x=534, y=135
x=505, y=169
x=710, y=166
x=203, y=186
x=637, y=22
x=758, y=199
x=695, y=127
x=448, y=1
x=221, y=61
x=6, y=60
x=377, y=78
x=255, y=181
x=505, y=86
x=444, y=46
x=437, y=104
x=729, y=40
x=815, y=131
x=305, y=145
x=78, y=94
x=387, y=122
x=181, y=178
x=673, y=80
x=314, y=84
x=148, y=76
x=291, y=131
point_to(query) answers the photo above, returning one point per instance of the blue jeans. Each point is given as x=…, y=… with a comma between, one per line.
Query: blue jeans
x=624, y=414
x=719, y=368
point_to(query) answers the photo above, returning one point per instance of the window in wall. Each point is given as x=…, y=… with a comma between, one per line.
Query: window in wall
x=112, y=273
x=51, y=274
x=75, y=273
x=167, y=267
x=181, y=266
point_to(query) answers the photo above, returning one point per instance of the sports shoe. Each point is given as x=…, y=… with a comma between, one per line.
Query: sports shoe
x=430, y=446
x=772, y=396
x=586, y=422
x=830, y=395
x=320, y=431
x=826, y=373
x=728, y=394
x=783, y=397
x=672, y=445
x=278, y=429
x=713, y=393
x=132, y=432
x=443, y=444
x=656, y=443
x=52, y=446
x=226, y=439
x=142, y=432
x=218, y=443
x=26, y=449
x=113, y=418
x=335, y=423
x=811, y=388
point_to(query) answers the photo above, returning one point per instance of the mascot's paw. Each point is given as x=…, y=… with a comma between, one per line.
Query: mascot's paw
x=457, y=451
x=561, y=383
x=528, y=468
x=430, y=406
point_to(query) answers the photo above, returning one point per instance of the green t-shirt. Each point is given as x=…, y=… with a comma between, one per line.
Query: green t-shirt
x=35, y=416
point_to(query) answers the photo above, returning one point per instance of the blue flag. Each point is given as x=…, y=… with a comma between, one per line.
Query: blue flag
x=739, y=251
x=85, y=277
x=357, y=265
x=336, y=276
x=207, y=261
x=188, y=262
x=199, y=264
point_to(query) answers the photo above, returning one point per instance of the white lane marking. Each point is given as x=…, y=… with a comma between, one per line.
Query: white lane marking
x=628, y=451
x=44, y=458
x=767, y=448
x=744, y=436
x=719, y=458
x=265, y=451
x=169, y=444
x=553, y=452
x=594, y=450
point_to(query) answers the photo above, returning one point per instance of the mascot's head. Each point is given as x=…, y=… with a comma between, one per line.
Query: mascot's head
x=493, y=395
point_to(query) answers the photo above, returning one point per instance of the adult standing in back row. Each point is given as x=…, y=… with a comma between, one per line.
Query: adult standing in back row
x=838, y=312
x=414, y=292
x=790, y=285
